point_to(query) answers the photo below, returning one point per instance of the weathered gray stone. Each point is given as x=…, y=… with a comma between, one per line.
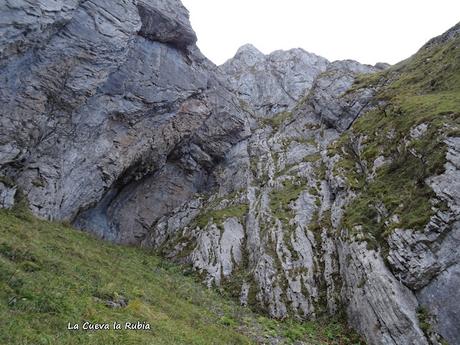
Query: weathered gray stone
x=378, y=305
x=428, y=262
x=112, y=118
x=166, y=21
x=28, y=24
x=272, y=83
x=440, y=297
x=7, y=194
x=328, y=97
x=219, y=248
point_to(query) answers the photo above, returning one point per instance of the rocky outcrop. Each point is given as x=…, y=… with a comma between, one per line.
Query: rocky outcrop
x=273, y=83
x=166, y=22
x=107, y=101
x=31, y=24
x=272, y=186
x=428, y=262
x=7, y=194
x=328, y=100
x=249, y=172
x=378, y=305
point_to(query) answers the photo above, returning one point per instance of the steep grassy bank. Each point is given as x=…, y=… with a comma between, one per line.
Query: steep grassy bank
x=390, y=151
x=51, y=275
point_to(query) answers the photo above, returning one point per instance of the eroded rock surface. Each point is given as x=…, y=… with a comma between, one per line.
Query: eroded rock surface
x=106, y=102
x=112, y=119
x=272, y=83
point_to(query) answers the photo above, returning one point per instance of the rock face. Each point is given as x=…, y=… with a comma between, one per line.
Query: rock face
x=432, y=267
x=273, y=83
x=101, y=105
x=249, y=172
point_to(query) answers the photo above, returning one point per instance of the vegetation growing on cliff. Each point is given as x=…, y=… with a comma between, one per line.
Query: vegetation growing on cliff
x=277, y=120
x=51, y=274
x=220, y=215
x=416, y=109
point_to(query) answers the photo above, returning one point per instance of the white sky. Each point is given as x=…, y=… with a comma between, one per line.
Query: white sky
x=368, y=31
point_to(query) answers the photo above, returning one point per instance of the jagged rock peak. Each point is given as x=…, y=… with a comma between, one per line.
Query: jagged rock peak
x=352, y=66
x=450, y=34
x=166, y=21
x=382, y=65
x=246, y=56
x=249, y=55
x=111, y=118
x=275, y=82
x=248, y=48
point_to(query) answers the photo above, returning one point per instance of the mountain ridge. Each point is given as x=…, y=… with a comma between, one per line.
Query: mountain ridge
x=294, y=182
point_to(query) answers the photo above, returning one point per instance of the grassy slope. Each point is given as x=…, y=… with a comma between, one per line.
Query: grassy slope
x=51, y=274
x=424, y=89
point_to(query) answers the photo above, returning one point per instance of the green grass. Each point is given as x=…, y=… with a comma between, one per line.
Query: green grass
x=281, y=198
x=425, y=89
x=423, y=317
x=219, y=216
x=51, y=274
x=277, y=120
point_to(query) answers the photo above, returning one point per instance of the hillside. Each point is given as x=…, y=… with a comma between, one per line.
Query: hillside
x=51, y=274
x=300, y=188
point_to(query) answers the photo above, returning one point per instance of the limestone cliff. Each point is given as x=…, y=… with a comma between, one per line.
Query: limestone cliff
x=304, y=187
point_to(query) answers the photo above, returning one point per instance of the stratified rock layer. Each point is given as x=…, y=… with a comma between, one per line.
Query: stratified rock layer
x=112, y=119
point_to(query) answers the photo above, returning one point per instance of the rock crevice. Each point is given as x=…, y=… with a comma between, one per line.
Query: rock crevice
x=264, y=174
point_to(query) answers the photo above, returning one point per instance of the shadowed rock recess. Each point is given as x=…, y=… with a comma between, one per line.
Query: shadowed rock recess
x=303, y=187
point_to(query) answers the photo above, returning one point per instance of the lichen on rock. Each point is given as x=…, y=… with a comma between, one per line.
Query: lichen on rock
x=305, y=188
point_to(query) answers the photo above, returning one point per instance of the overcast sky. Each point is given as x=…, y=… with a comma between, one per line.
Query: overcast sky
x=365, y=30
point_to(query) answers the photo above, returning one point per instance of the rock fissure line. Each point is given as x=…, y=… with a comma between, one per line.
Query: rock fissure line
x=280, y=177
